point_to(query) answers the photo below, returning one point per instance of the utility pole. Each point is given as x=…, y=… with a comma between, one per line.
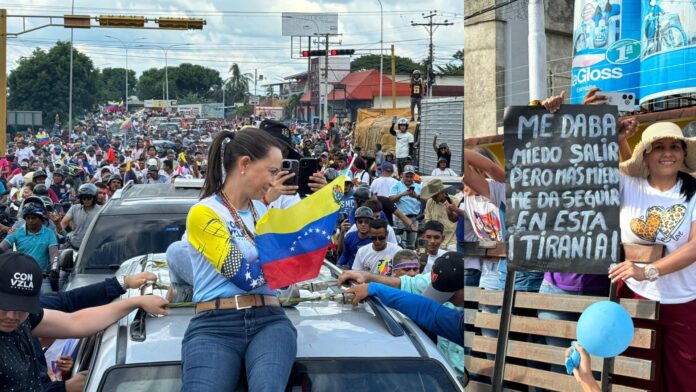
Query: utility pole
x=431, y=27
x=326, y=83
x=72, y=12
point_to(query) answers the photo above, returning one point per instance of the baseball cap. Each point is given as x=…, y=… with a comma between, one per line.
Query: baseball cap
x=409, y=169
x=446, y=277
x=20, y=283
x=23, y=165
x=386, y=166
x=282, y=133
x=152, y=168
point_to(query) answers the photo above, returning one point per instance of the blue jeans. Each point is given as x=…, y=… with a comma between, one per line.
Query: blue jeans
x=472, y=277
x=219, y=341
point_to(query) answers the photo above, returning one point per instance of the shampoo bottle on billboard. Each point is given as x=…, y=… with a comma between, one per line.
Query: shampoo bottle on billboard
x=606, y=48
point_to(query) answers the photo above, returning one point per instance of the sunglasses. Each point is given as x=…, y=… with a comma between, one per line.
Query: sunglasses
x=378, y=238
x=363, y=221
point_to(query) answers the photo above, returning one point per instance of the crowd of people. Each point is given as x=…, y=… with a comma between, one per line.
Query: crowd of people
x=399, y=238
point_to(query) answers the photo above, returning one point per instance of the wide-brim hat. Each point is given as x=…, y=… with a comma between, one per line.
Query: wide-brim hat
x=431, y=188
x=635, y=166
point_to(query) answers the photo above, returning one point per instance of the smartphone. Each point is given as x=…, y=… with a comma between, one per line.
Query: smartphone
x=292, y=166
x=308, y=166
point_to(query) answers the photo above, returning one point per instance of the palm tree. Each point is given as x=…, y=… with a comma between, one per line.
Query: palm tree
x=237, y=84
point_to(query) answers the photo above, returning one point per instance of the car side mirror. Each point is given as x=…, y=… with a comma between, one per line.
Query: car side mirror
x=66, y=260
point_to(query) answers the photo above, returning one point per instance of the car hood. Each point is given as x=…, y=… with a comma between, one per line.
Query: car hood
x=81, y=280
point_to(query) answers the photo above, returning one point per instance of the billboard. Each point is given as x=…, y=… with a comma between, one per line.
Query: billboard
x=308, y=24
x=668, y=57
x=606, y=47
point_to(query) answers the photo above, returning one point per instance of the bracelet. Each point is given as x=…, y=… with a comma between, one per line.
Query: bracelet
x=122, y=281
x=264, y=201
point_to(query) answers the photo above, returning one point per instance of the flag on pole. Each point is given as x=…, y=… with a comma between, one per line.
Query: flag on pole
x=126, y=125
x=292, y=242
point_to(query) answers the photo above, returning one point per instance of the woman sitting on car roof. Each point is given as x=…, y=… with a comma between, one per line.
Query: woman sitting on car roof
x=238, y=318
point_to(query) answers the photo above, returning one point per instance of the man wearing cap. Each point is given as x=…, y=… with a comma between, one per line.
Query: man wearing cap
x=350, y=243
x=34, y=239
x=382, y=185
x=442, y=170
x=17, y=179
x=442, y=150
x=426, y=310
x=405, y=194
x=447, y=284
x=414, y=285
x=437, y=208
x=22, y=317
x=378, y=257
x=153, y=176
x=40, y=178
x=281, y=195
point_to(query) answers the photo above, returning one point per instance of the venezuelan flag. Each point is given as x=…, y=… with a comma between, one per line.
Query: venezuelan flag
x=292, y=242
x=126, y=125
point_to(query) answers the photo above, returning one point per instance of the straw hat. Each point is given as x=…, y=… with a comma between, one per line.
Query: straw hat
x=432, y=188
x=635, y=167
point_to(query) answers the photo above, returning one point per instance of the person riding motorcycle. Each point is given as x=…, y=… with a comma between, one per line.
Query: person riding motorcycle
x=80, y=216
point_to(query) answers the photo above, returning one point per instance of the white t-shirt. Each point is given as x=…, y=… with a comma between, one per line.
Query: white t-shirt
x=403, y=139
x=285, y=201
x=367, y=259
x=649, y=216
x=24, y=153
x=391, y=236
x=482, y=219
x=363, y=177
x=431, y=260
x=381, y=186
x=440, y=173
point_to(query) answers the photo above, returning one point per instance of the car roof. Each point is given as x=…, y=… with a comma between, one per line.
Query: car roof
x=325, y=329
x=175, y=197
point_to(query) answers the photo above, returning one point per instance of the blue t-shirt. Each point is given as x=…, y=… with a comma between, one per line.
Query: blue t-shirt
x=347, y=203
x=351, y=244
x=407, y=204
x=34, y=244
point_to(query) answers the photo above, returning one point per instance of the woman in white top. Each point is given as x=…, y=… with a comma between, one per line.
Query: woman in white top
x=442, y=170
x=658, y=207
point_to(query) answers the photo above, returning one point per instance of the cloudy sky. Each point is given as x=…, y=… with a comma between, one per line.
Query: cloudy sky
x=245, y=32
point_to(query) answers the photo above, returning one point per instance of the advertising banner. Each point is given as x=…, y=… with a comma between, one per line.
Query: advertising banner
x=668, y=57
x=606, y=47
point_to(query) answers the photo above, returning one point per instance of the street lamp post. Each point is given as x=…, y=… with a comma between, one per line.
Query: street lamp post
x=126, y=47
x=166, y=66
x=381, y=51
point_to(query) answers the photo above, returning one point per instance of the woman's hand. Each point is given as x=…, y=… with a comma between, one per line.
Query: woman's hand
x=279, y=189
x=627, y=128
x=552, y=104
x=626, y=270
x=317, y=181
x=592, y=98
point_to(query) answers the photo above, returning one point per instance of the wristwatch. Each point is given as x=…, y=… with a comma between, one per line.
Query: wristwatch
x=651, y=273
x=122, y=281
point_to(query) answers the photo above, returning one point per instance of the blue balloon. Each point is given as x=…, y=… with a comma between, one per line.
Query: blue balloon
x=605, y=329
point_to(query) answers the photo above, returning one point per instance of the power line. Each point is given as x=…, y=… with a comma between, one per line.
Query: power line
x=430, y=25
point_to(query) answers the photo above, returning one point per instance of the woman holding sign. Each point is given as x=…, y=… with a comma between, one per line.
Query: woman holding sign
x=238, y=318
x=658, y=207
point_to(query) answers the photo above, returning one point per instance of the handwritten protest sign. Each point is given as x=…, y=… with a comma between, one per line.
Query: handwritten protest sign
x=562, y=188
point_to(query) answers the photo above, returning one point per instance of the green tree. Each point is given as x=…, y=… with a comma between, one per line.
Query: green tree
x=371, y=61
x=184, y=79
x=42, y=82
x=236, y=85
x=290, y=107
x=112, y=84
x=190, y=98
x=454, y=68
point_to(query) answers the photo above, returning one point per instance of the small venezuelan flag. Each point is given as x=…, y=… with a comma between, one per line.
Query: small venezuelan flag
x=292, y=242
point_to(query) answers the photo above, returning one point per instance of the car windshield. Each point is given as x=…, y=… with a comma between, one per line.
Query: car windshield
x=115, y=239
x=374, y=374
